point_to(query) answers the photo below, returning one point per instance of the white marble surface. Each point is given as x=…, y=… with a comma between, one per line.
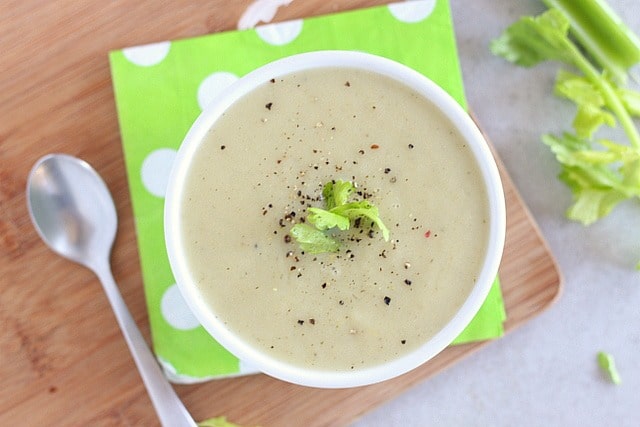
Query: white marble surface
x=545, y=372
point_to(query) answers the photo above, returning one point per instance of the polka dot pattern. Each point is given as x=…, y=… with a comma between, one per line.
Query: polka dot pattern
x=412, y=11
x=155, y=170
x=175, y=310
x=147, y=55
x=281, y=33
x=212, y=85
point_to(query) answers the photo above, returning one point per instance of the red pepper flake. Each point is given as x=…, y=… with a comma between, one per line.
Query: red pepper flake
x=374, y=146
x=427, y=234
x=387, y=300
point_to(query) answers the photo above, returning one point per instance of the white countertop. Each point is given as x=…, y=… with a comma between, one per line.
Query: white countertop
x=544, y=373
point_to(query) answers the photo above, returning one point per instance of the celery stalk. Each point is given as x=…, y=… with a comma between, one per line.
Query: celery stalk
x=603, y=35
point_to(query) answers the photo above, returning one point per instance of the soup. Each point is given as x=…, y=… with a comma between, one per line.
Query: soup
x=265, y=162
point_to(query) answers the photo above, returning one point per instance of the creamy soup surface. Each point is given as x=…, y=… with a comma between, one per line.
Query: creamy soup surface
x=265, y=162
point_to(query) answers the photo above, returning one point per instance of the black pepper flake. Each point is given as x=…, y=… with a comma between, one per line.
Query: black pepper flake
x=387, y=300
x=387, y=170
x=300, y=322
x=292, y=268
x=347, y=84
x=341, y=302
x=222, y=147
x=407, y=282
x=272, y=80
x=312, y=321
x=403, y=341
x=324, y=285
x=268, y=105
x=287, y=238
x=410, y=146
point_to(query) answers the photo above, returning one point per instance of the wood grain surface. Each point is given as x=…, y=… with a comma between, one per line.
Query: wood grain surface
x=62, y=357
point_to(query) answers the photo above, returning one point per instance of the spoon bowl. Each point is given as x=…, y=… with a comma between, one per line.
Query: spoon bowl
x=72, y=209
x=73, y=212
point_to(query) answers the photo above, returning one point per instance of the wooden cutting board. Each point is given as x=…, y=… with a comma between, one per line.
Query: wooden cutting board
x=62, y=357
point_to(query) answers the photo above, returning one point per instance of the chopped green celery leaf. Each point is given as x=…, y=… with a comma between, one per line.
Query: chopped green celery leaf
x=336, y=193
x=596, y=188
x=583, y=169
x=589, y=118
x=608, y=366
x=591, y=204
x=217, y=422
x=631, y=174
x=625, y=151
x=361, y=209
x=578, y=89
x=602, y=157
x=602, y=34
x=590, y=115
x=341, y=192
x=531, y=40
x=324, y=220
x=630, y=100
x=312, y=240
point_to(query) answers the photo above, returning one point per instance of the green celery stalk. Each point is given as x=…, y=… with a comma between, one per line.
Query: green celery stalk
x=601, y=32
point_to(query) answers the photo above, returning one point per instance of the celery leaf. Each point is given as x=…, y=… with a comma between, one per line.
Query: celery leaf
x=324, y=220
x=532, y=40
x=312, y=240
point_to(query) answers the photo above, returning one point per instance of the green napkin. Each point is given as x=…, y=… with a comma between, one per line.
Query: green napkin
x=161, y=88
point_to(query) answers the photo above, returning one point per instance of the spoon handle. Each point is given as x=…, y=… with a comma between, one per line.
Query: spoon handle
x=169, y=407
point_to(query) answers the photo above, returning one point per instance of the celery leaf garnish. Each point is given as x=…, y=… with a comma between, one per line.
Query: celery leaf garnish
x=338, y=213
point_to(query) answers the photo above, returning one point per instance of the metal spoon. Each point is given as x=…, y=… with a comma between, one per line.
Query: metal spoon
x=73, y=212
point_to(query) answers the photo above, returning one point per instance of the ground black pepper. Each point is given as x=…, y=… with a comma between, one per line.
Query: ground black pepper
x=387, y=300
x=268, y=106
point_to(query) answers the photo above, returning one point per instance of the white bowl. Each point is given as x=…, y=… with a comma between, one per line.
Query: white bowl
x=421, y=85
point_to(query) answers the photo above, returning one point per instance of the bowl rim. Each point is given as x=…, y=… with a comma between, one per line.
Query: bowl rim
x=420, y=84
